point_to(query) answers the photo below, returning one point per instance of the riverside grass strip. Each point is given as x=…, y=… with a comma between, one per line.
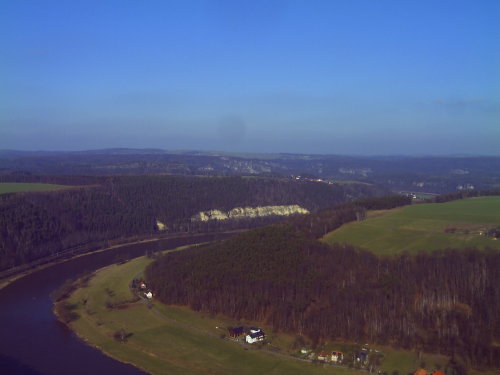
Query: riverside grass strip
x=162, y=347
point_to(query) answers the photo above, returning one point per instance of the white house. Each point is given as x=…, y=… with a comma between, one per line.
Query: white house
x=255, y=335
x=337, y=357
x=148, y=295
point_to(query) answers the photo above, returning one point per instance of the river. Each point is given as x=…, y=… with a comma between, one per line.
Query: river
x=33, y=341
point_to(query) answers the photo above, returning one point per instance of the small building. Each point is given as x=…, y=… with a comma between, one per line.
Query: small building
x=305, y=351
x=148, y=295
x=420, y=371
x=322, y=356
x=142, y=285
x=255, y=335
x=337, y=357
x=235, y=332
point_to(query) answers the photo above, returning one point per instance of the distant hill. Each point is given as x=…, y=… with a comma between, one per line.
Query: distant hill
x=430, y=174
x=425, y=227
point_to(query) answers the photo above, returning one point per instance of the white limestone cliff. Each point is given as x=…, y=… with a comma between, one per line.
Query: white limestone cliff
x=249, y=212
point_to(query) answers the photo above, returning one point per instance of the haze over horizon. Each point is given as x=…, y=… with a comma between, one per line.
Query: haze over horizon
x=321, y=77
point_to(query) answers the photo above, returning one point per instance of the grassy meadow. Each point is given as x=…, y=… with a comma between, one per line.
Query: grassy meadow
x=421, y=227
x=18, y=187
x=162, y=346
x=177, y=340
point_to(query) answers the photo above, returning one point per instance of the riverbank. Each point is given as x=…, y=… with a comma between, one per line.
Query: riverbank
x=50, y=261
x=162, y=339
x=184, y=343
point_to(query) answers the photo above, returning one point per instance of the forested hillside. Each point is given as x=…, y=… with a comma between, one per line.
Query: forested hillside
x=446, y=301
x=34, y=225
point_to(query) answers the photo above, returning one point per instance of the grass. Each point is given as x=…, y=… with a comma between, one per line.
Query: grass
x=422, y=227
x=406, y=362
x=163, y=347
x=17, y=187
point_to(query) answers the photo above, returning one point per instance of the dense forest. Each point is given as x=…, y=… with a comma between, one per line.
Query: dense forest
x=446, y=301
x=35, y=225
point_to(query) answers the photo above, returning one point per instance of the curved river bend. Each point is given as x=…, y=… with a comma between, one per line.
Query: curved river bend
x=32, y=341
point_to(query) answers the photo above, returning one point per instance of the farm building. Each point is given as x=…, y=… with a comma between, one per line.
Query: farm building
x=255, y=335
x=337, y=357
x=322, y=356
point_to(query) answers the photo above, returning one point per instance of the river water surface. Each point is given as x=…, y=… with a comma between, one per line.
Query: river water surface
x=33, y=341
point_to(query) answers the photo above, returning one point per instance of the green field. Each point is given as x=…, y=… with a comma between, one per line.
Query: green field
x=161, y=346
x=18, y=187
x=422, y=227
x=188, y=342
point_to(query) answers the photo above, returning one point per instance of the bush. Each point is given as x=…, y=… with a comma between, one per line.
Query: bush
x=122, y=335
x=64, y=311
x=63, y=292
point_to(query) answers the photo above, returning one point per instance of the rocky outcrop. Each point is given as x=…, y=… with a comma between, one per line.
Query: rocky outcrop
x=249, y=212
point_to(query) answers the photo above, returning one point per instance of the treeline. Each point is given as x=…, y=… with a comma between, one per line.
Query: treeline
x=446, y=302
x=318, y=224
x=464, y=194
x=36, y=225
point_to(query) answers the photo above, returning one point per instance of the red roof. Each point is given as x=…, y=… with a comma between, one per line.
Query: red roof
x=420, y=371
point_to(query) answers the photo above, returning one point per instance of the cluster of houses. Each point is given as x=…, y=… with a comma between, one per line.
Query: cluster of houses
x=311, y=179
x=251, y=335
x=147, y=293
x=335, y=357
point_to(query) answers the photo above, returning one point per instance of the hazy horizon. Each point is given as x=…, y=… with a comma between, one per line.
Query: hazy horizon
x=249, y=153
x=347, y=78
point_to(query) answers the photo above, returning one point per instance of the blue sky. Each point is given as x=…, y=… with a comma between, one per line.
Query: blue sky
x=336, y=77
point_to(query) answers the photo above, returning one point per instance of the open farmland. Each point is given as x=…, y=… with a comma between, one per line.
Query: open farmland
x=17, y=187
x=425, y=227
